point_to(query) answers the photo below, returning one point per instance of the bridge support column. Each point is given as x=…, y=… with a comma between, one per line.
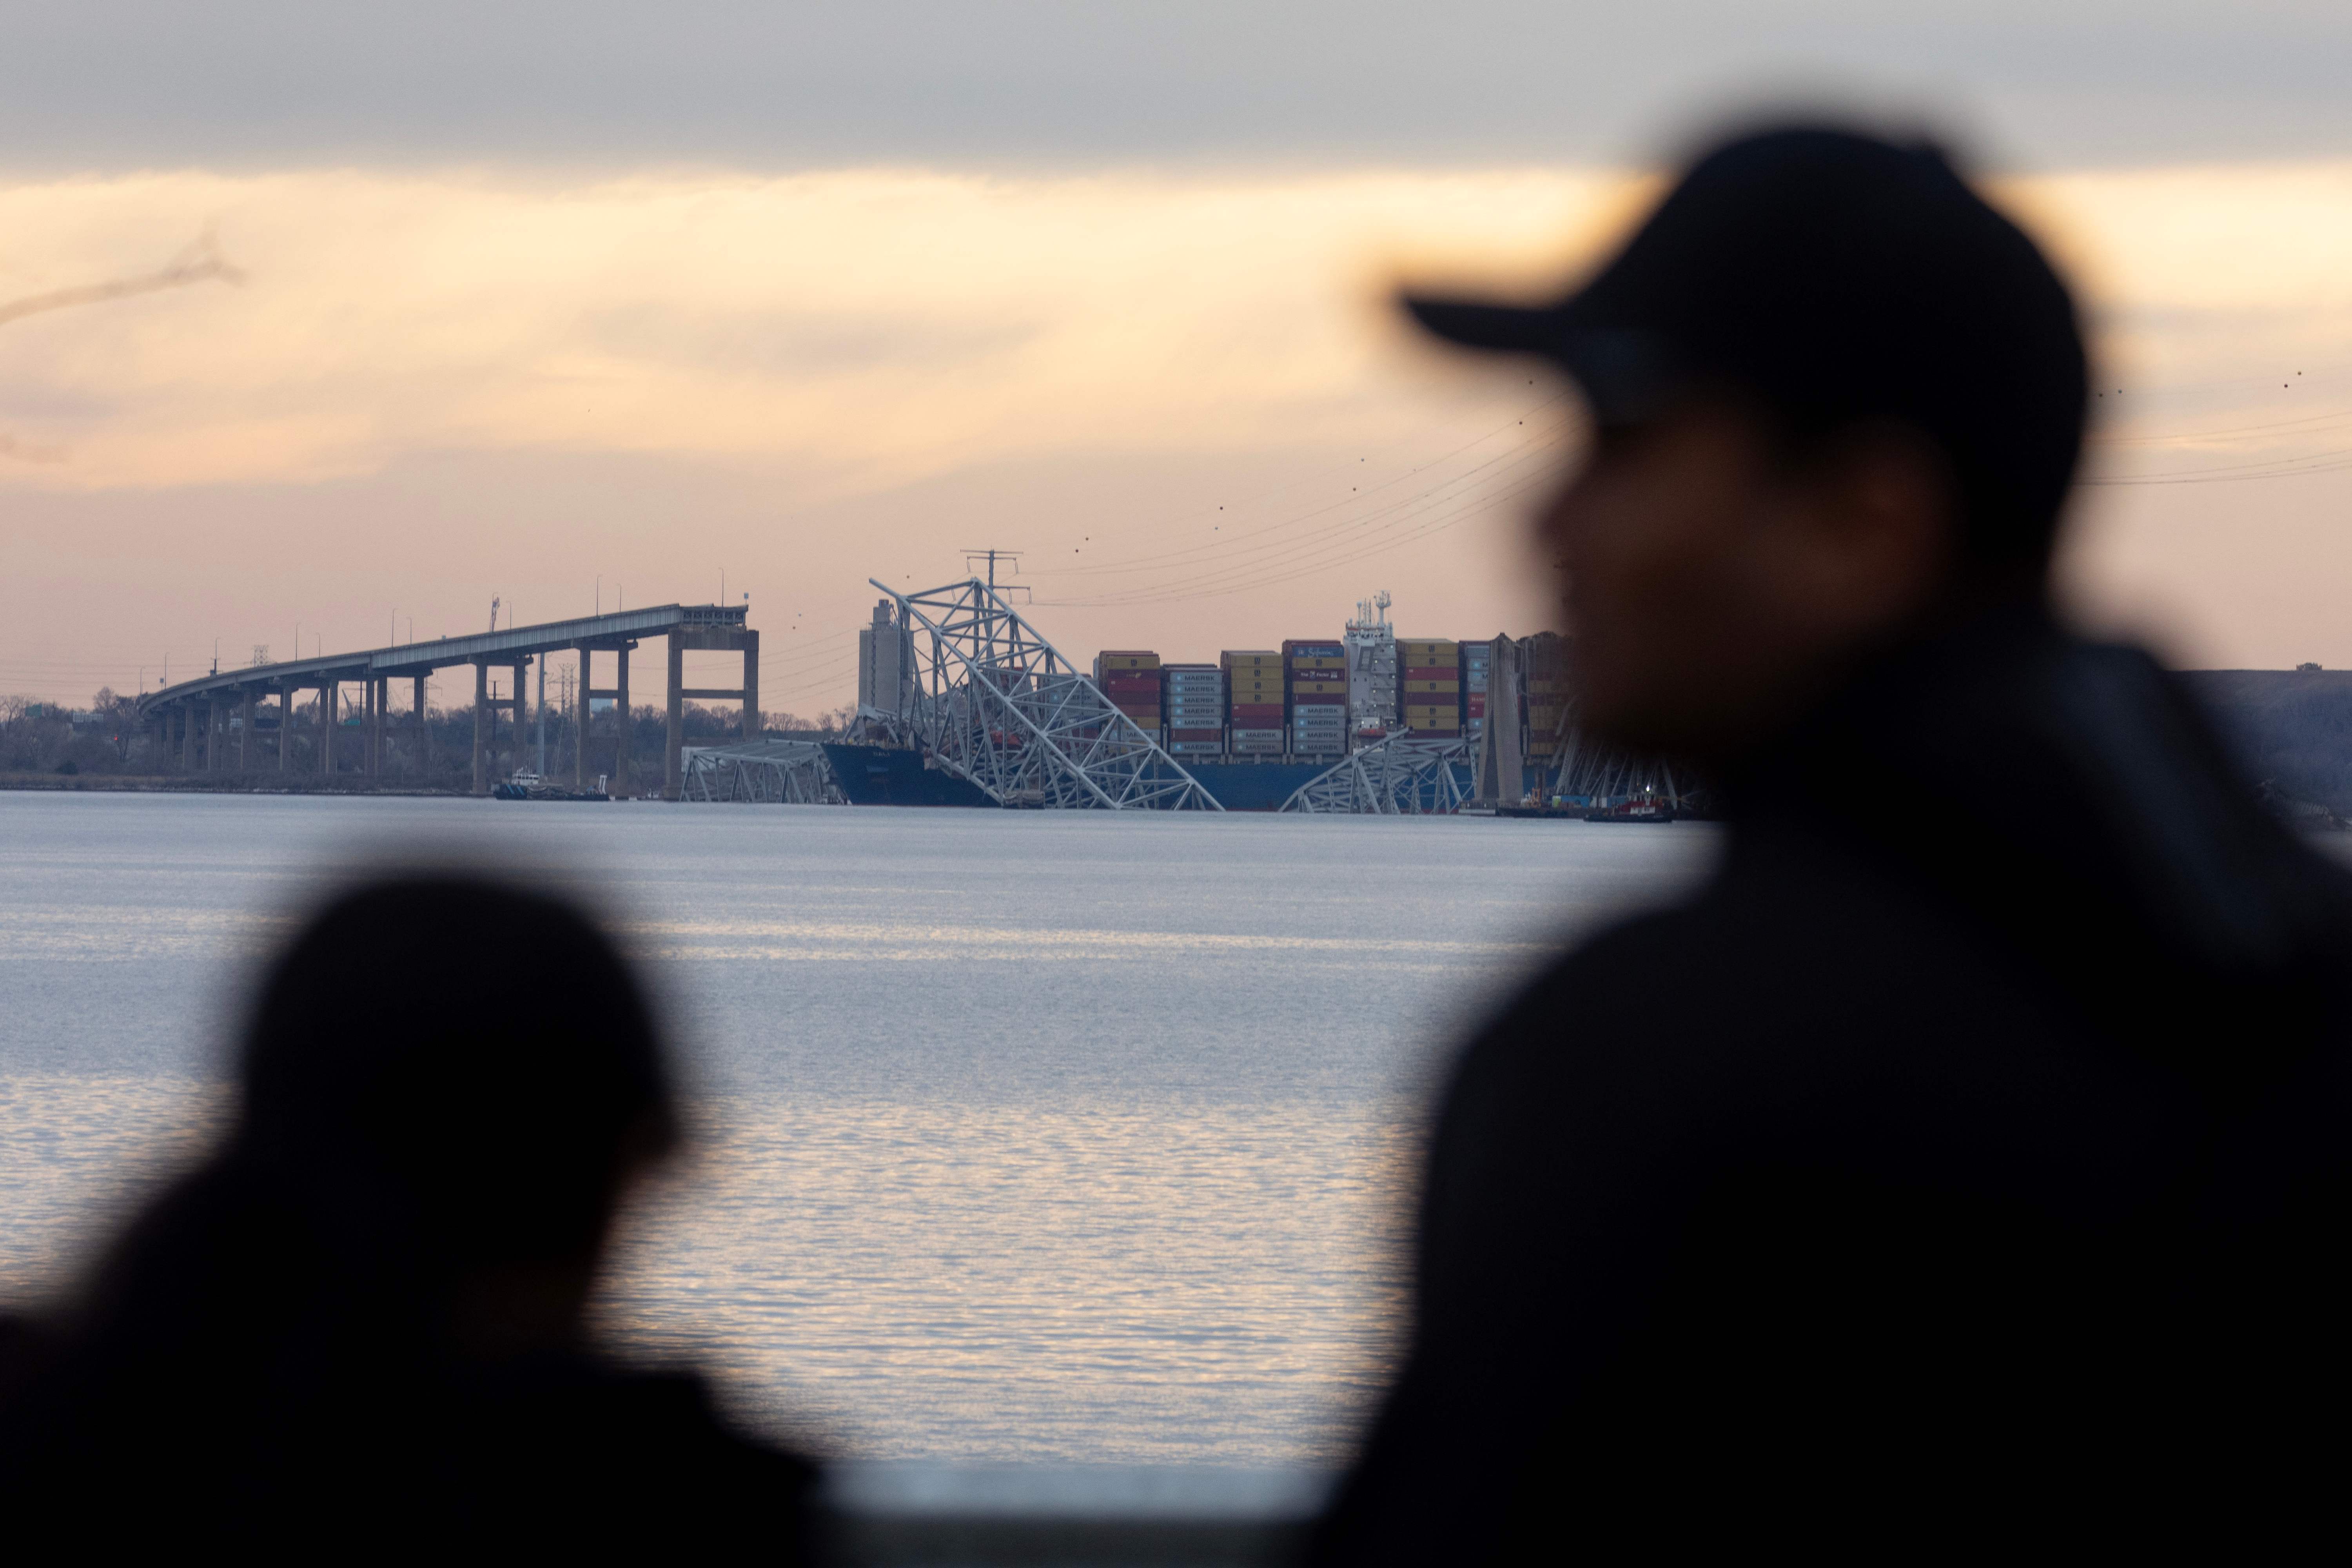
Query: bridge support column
x=579, y=720
x=285, y=726
x=187, y=740
x=481, y=728
x=424, y=758
x=329, y=690
x=520, y=705
x=627, y=728
x=676, y=733
x=244, y=736
x=371, y=748
x=754, y=726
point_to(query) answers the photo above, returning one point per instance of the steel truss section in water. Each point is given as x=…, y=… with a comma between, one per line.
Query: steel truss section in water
x=1604, y=775
x=1404, y=776
x=994, y=703
x=791, y=772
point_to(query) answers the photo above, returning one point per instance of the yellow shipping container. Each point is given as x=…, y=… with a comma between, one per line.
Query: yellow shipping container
x=1427, y=686
x=1318, y=664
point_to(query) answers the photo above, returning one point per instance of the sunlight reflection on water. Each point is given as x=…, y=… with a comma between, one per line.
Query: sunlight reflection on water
x=1018, y=1136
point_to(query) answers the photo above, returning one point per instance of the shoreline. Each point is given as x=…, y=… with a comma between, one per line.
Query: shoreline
x=153, y=783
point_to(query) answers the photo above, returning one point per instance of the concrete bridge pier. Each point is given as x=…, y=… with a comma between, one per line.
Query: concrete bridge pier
x=424, y=731
x=376, y=695
x=518, y=704
x=672, y=773
x=245, y=732
x=628, y=726
x=580, y=718
x=710, y=639
x=187, y=740
x=481, y=728
x=284, y=725
x=330, y=692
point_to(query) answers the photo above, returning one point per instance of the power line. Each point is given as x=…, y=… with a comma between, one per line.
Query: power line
x=1136, y=563
x=1344, y=538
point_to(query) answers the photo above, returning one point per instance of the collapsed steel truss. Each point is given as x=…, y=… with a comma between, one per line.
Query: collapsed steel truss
x=793, y=773
x=994, y=704
x=1404, y=776
x=1602, y=776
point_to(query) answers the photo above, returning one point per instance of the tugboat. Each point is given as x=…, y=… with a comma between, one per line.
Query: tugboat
x=1647, y=806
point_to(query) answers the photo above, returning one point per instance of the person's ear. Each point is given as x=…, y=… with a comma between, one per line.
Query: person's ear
x=1885, y=526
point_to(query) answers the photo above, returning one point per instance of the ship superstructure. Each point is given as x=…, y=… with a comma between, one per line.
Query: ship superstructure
x=1370, y=644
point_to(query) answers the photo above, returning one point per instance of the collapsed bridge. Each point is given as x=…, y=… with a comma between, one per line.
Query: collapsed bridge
x=194, y=717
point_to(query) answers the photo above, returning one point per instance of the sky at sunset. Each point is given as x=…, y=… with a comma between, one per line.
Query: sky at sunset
x=560, y=309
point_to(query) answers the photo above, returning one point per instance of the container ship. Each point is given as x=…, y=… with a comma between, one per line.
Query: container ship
x=1256, y=725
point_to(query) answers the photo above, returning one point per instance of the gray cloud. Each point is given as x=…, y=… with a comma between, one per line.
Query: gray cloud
x=1060, y=83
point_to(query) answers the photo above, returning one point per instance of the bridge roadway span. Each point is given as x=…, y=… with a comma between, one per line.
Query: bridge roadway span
x=192, y=716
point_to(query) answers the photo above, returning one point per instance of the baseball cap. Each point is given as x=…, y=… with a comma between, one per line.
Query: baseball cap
x=1838, y=276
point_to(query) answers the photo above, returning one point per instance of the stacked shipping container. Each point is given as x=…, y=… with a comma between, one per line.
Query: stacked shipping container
x=1431, y=699
x=1544, y=658
x=1130, y=679
x=1317, y=679
x=1253, y=689
x=1302, y=702
x=1195, y=709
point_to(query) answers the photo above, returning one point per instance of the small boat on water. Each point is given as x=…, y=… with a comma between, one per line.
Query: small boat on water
x=528, y=785
x=1634, y=808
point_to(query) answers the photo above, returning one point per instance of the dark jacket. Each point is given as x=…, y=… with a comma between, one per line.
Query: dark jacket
x=1964, y=1168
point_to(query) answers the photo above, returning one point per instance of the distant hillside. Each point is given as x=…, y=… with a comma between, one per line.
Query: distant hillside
x=2293, y=727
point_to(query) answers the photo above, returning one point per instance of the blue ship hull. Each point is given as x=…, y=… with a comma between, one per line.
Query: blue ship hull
x=886, y=775
x=1253, y=786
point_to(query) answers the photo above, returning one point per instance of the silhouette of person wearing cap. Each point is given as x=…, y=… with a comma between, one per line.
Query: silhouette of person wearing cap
x=1962, y=1170
x=358, y=1324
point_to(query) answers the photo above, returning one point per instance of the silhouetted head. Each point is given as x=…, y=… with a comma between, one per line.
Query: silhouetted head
x=452, y=1075
x=1838, y=401
x=365, y=1310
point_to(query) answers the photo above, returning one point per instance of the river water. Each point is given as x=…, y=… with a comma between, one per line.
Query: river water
x=1020, y=1137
